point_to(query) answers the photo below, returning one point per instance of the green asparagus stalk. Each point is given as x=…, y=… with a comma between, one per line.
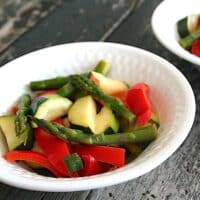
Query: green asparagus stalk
x=68, y=89
x=95, y=91
x=73, y=162
x=187, y=41
x=142, y=135
x=53, y=83
x=146, y=134
x=21, y=121
x=102, y=67
x=134, y=149
x=73, y=135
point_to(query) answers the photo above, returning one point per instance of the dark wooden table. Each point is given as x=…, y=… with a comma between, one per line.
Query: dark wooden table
x=26, y=26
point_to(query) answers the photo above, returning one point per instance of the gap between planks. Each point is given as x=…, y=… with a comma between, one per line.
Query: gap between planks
x=121, y=19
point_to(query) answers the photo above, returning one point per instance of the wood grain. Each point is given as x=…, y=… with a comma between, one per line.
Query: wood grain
x=18, y=16
x=75, y=20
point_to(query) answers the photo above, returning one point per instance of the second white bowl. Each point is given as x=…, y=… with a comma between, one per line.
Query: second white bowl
x=164, y=21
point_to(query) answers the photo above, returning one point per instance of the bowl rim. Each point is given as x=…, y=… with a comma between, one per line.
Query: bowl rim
x=125, y=173
x=178, y=50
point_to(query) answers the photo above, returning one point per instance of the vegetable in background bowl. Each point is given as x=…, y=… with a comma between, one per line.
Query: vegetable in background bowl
x=189, y=31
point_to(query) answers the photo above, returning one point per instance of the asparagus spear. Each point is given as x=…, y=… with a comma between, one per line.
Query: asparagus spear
x=53, y=83
x=142, y=135
x=21, y=121
x=102, y=67
x=58, y=82
x=187, y=41
x=146, y=134
x=73, y=162
x=73, y=135
x=95, y=91
x=134, y=149
x=68, y=89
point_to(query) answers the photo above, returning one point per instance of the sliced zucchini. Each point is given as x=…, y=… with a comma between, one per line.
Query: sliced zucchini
x=23, y=141
x=83, y=112
x=106, y=120
x=188, y=25
x=108, y=85
x=50, y=107
x=182, y=27
x=187, y=41
x=36, y=103
x=193, y=23
x=4, y=145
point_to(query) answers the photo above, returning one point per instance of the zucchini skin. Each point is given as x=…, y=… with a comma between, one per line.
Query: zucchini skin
x=187, y=41
x=182, y=27
x=23, y=141
x=188, y=25
x=54, y=83
x=36, y=103
x=50, y=107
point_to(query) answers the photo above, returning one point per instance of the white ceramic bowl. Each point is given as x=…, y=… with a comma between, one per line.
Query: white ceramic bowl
x=170, y=91
x=164, y=21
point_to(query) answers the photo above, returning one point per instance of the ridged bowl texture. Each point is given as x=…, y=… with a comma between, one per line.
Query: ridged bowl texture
x=170, y=93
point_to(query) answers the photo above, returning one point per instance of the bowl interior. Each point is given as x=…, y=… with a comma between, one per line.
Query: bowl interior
x=170, y=93
x=164, y=24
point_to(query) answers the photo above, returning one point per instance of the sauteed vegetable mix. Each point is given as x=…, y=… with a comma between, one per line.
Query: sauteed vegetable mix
x=189, y=31
x=81, y=124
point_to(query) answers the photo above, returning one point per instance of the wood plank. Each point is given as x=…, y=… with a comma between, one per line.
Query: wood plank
x=17, y=17
x=74, y=21
x=10, y=193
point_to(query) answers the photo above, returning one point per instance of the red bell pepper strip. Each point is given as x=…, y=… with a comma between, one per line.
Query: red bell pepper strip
x=142, y=86
x=14, y=109
x=122, y=96
x=55, y=149
x=138, y=101
x=92, y=166
x=110, y=155
x=46, y=92
x=195, y=49
x=34, y=157
x=143, y=118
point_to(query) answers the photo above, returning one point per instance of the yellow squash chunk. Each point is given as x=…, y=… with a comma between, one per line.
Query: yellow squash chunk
x=105, y=119
x=108, y=85
x=83, y=112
